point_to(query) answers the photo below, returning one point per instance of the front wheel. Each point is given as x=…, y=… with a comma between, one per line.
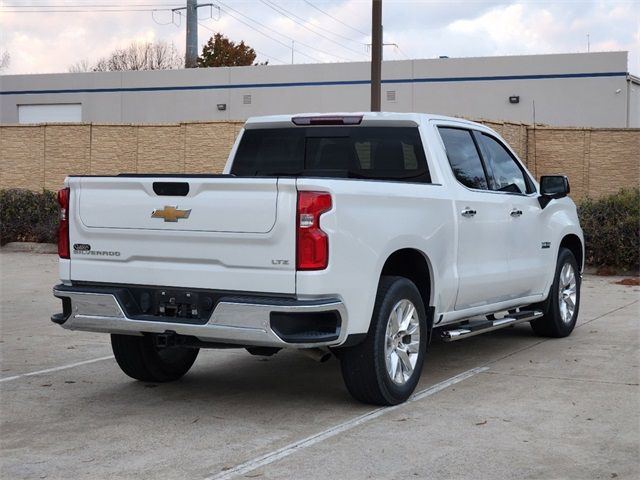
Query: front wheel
x=386, y=367
x=139, y=358
x=561, y=308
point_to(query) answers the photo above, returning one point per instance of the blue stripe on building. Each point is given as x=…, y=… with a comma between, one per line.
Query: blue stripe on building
x=316, y=84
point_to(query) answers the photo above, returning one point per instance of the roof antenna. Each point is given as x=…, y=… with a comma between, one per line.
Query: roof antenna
x=588, y=44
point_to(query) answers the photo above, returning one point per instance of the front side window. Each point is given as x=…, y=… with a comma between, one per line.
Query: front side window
x=463, y=157
x=507, y=174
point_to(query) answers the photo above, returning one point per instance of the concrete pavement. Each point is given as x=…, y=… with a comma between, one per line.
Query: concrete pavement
x=549, y=409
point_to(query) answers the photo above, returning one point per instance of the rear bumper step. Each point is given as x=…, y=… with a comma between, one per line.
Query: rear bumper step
x=235, y=320
x=477, y=327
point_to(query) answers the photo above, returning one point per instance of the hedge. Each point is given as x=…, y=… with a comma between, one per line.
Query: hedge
x=611, y=224
x=27, y=216
x=611, y=228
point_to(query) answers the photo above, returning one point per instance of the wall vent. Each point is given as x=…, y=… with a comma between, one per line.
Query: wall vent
x=246, y=99
x=391, y=95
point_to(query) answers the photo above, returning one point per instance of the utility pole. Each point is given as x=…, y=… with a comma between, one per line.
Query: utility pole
x=376, y=54
x=191, y=52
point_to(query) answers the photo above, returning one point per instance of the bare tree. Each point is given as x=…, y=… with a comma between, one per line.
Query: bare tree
x=81, y=66
x=137, y=56
x=166, y=54
x=5, y=60
x=141, y=56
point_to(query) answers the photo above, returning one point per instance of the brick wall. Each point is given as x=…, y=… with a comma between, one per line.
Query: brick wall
x=598, y=161
x=514, y=133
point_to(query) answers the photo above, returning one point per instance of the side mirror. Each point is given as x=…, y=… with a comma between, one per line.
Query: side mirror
x=553, y=187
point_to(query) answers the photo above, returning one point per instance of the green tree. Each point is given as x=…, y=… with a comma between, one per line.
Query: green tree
x=222, y=52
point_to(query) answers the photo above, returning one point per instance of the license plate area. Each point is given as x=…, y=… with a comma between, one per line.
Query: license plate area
x=177, y=304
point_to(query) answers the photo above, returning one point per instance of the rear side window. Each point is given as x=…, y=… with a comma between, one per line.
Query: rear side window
x=507, y=174
x=380, y=153
x=463, y=157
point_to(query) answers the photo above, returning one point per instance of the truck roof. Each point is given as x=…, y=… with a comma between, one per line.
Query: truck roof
x=368, y=118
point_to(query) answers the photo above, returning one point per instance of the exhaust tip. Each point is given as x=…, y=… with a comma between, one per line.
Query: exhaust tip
x=320, y=355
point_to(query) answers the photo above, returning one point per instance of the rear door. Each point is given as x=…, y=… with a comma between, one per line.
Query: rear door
x=200, y=232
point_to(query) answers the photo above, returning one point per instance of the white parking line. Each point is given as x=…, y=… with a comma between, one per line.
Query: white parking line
x=55, y=369
x=287, y=450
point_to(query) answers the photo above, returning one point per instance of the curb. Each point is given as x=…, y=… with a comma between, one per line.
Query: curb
x=30, y=247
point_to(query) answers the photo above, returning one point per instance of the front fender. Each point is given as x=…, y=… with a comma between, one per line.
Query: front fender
x=560, y=222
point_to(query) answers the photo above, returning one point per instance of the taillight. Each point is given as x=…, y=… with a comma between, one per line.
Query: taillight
x=313, y=243
x=63, y=225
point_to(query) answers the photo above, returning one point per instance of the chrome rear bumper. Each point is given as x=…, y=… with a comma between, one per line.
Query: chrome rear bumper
x=234, y=322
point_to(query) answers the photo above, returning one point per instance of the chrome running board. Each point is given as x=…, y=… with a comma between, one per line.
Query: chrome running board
x=476, y=327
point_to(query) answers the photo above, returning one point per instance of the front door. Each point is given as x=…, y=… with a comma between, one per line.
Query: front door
x=527, y=272
x=483, y=254
x=483, y=250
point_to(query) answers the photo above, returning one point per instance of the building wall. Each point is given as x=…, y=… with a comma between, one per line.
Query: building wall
x=597, y=161
x=634, y=102
x=588, y=89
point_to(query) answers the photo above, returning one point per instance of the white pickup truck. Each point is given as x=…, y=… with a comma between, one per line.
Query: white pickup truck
x=358, y=234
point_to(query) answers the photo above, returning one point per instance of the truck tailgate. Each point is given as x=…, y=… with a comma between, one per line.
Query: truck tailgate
x=225, y=233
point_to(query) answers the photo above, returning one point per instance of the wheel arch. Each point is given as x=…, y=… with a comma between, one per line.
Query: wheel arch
x=415, y=266
x=573, y=243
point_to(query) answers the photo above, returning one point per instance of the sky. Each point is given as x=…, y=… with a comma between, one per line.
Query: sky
x=45, y=36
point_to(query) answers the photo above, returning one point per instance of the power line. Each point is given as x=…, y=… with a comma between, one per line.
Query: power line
x=84, y=7
x=93, y=10
x=96, y=3
x=277, y=32
x=68, y=7
x=284, y=11
x=402, y=51
x=266, y=34
x=101, y=5
x=227, y=8
x=206, y=27
x=336, y=19
x=256, y=50
x=146, y=7
x=277, y=10
x=163, y=24
x=121, y=8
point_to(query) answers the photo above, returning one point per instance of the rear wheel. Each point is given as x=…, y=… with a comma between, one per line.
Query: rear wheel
x=139, y=358
x=562, y=306
x=386, y=367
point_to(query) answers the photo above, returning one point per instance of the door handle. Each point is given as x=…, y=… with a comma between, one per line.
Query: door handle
x=468, y=212
x=515, y=212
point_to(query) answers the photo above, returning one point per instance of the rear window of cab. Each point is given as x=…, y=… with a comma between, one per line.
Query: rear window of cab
x=377, y=153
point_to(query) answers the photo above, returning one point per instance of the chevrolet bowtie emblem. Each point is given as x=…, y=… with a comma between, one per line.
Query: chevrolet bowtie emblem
x=170, y=214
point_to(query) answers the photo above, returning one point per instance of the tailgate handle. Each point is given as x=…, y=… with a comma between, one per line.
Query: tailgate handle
x=171, y=189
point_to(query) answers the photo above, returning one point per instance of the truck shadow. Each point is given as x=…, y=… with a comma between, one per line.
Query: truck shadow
x=234, y=378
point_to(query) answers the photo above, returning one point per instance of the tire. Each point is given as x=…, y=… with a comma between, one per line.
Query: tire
x=558, y=320
x=366, y=367
x=139, y=358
